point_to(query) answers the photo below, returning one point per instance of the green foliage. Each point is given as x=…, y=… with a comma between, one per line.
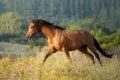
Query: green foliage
x=112, y=40
x=40, y=43
x=73, y=27
x=87, y=23
x=10, y=23
x=10, y=26
x=107, y=41
x=58, y=11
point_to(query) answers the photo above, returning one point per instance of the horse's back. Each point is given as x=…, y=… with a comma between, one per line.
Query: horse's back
x=76, y=38
x=77, y=34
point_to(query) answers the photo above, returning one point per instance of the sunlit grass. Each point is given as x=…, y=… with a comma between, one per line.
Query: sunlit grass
x=57, y=67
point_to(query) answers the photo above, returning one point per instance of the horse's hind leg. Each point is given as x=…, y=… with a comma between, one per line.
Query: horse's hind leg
x=83, y=49
x=96, y=54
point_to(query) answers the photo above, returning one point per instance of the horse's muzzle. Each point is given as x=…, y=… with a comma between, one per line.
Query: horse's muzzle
x=27, y=37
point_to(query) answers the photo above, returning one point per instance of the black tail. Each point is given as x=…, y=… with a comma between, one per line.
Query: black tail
x=101, y=50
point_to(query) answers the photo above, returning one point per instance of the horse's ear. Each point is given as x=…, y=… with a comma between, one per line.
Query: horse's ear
x=32, y=20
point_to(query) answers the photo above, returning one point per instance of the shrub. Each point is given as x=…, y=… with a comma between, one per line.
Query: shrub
x=40, y=43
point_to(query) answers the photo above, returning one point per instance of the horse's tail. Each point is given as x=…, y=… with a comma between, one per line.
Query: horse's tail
x=101, y=50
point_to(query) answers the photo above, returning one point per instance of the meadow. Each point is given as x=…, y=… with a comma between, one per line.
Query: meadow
x=57, y=67
x=25, y=62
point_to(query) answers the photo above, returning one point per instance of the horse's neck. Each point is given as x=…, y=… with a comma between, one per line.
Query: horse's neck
x=48, y=31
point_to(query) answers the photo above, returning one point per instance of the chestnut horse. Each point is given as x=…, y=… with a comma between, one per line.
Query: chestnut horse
x=60, y=39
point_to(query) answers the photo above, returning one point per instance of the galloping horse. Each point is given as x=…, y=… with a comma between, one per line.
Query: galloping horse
x=60, y=39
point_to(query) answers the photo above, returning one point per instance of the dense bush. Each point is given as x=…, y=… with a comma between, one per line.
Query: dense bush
x=10, y=27
x=40, y=43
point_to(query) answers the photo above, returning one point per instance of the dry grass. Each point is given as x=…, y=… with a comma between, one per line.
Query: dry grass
x=57, y=67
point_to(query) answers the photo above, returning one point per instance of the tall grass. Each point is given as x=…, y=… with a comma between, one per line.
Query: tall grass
x=57, y=67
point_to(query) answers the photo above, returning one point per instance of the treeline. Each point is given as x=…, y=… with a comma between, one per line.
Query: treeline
x=61, y=10
x=100, y=17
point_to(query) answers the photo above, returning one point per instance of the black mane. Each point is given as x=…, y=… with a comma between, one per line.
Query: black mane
x=48, y=23
x=58, y=27
x=44, y=22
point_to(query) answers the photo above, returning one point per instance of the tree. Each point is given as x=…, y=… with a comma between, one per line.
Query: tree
x=10, y=23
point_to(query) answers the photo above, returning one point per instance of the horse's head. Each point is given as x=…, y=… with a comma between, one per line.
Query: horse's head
x=32, y=29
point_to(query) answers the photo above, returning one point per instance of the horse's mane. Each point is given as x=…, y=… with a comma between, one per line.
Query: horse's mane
x=44, y=22
x=48, y=23
x=58, y=27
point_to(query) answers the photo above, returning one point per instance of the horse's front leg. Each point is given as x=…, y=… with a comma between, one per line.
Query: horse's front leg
x=66, y=53
x=49, y=53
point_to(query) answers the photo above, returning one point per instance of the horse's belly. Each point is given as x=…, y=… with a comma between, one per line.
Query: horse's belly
x=74, y=46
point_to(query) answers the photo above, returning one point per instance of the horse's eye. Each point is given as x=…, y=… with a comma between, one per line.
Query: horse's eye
x=31, y=27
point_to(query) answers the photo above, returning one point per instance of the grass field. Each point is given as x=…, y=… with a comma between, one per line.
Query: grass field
x=57, y=67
